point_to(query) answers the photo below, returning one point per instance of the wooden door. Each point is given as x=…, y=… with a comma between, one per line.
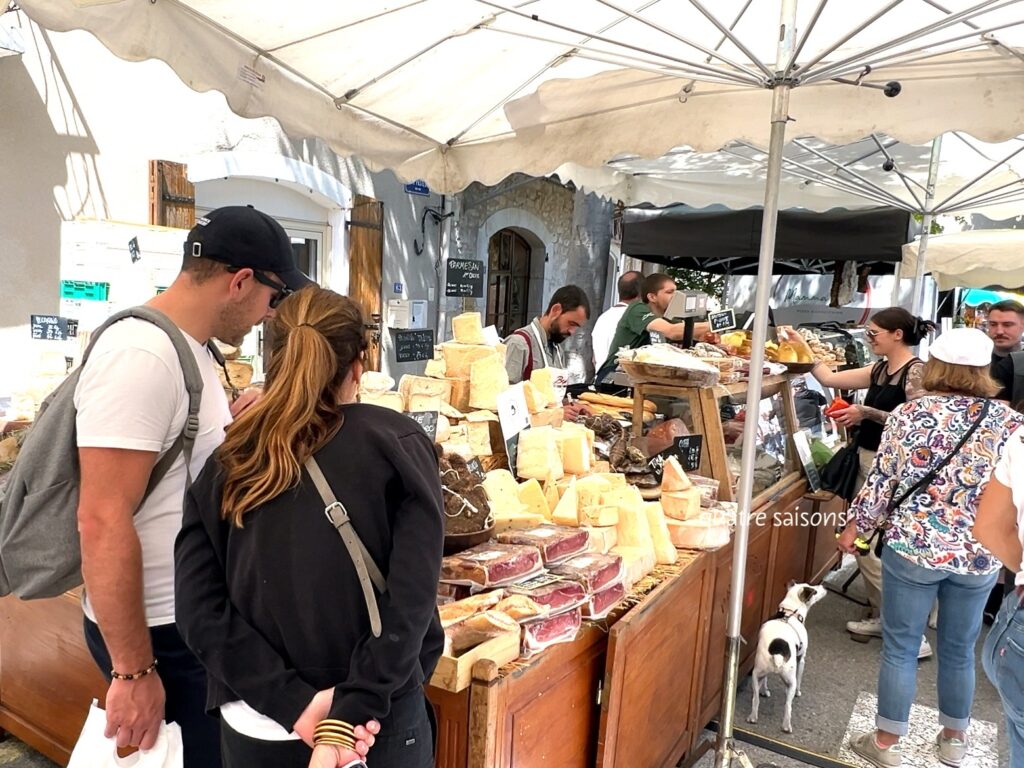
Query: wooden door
x=652, y=678
x=172, y=197
x=366, y=257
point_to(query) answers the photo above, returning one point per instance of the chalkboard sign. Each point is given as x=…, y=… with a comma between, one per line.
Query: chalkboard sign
x=686, y=449
x=53, y=328
x=465, y=278
x=411, y=346
x=476, y=467
x=427, y=420
x=722, y=321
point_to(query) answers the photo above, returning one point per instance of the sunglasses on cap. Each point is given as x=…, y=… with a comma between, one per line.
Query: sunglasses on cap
x=283, y=291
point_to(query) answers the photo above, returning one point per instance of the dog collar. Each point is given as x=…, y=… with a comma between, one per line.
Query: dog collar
x=787, y=615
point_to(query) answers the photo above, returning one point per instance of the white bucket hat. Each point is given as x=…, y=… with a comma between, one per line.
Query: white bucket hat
x=963, y=346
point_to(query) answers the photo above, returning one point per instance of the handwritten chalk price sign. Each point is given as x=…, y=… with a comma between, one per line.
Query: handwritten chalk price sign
x=411, y=346
x=686, y=449
x=53, y=328
x=464, y=278
x=722, y=321
x=427, y=420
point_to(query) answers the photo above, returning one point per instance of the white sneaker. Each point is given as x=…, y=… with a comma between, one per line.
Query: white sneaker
x=867, y=627
x=925, y=651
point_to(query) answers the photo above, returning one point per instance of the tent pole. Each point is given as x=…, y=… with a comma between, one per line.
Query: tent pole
x=725, y=750
x=917, y=291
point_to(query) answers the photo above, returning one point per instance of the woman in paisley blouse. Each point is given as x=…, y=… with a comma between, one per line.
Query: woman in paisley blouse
x=930, y=551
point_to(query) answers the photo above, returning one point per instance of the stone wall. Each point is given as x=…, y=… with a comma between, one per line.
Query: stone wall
x=569, y=233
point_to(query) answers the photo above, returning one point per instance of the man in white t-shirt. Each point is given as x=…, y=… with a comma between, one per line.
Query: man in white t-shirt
x=604, y=327
x=999, y=527
x=132, y=404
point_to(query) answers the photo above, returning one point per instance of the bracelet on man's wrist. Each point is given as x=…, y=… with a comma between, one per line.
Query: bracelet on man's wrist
x=134, y=675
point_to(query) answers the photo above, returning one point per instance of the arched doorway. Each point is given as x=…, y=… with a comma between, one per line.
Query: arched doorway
x=508, y=281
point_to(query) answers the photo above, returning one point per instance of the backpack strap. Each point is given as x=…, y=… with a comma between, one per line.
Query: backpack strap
x=193, y=386
x=529, y=352
x=367, y=570
x=1017, y=390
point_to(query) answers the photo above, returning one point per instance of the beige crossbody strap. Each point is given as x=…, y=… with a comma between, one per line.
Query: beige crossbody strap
x=369, y=573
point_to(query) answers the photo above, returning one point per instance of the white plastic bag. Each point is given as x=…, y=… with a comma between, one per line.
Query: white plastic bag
x=93, y=750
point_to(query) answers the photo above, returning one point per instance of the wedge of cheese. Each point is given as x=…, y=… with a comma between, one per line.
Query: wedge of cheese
x=602, y=468
x=532, y=495
x=632, y=527
x=436, y=369
x=575, y=452
x=549, y=417
x=590, y=489
x=457, y=448
x=567, y=511
x=444, y=429
x=535, y=400
x=673, y=477
x=467, y=328
x=664, y=550
x=460, y=393
x=600, y=516
x=681, y=505
x=637, y=563
x=458, y=358
x=602, y=539
x=538, y=455
x=499, y=485
x=487, y=379
x=613, y=478
x=481, y=437
x=515, y=518
x=551, y=496
x=391, y=400
x=417, y=403
x=425, y=385
x=571, y=426
x=542, y=379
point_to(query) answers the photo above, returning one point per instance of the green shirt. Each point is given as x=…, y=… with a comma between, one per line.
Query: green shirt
x=632, y=328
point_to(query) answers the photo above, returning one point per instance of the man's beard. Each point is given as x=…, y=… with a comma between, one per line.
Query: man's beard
x=556, y=338
x=231, y=328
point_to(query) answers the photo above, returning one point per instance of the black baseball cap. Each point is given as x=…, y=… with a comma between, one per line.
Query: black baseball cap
x=241, y=236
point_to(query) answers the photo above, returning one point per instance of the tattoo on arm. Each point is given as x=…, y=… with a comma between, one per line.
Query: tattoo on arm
x=874, y=414
x=913, y=386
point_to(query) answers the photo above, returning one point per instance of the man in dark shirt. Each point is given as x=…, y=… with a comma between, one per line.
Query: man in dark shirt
x=1005, y=327
x=645, y=317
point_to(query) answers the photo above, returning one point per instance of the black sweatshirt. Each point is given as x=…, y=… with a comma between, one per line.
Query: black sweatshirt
x=274, y=609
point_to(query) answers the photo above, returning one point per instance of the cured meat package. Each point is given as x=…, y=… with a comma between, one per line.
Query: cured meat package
x=601, y=603
x=555, y=542
x=538, y=635
x=492, y=565
x=594, y=571
x=560, y=595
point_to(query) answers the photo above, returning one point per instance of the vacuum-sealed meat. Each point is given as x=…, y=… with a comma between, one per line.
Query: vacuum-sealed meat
x=594, y=571
x=491, y=564
x=457, y=611
x=479, y=629
x=555, y=542
x=601, y=603
x=538, y=635
x=553, y=591
x=708, y=488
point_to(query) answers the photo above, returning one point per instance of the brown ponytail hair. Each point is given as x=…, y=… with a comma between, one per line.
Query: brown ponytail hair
x=317, y=336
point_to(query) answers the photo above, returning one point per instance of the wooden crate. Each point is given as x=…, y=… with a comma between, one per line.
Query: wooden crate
x=453, y=674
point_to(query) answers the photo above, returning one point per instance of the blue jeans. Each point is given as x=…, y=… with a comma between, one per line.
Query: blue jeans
x=908, y=593
x=1003, y=658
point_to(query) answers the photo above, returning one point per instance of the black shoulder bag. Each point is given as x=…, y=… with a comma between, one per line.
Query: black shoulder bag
x=925, y=481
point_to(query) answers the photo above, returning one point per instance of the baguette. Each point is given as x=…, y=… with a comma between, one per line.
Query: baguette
x=614, y=401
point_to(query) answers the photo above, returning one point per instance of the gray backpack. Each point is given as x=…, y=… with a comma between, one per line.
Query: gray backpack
x=40, y=552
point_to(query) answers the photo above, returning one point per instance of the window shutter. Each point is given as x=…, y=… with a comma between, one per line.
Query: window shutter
x=172, y=197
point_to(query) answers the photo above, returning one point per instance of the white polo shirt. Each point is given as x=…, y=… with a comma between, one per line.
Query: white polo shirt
x=1010, y=472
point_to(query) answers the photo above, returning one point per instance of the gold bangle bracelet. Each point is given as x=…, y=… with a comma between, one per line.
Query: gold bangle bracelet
x=334, y=743
x=339, y=723
x=334, y=729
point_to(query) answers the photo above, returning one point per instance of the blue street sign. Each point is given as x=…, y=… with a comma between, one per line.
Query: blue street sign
x=398, y=287
x=418, y=187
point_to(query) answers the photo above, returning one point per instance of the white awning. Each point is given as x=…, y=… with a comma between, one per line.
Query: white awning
x=980, y=258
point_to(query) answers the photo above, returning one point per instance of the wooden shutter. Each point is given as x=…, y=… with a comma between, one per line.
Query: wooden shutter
x=172, y=197
x=366, y=256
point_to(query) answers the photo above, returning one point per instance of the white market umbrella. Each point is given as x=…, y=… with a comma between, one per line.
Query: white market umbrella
x=979, y=258
x=456, y=91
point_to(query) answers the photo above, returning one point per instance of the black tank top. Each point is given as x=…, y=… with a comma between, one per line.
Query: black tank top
x=884, y=395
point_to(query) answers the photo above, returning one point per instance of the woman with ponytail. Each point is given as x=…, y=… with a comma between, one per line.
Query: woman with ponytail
x=305, y=667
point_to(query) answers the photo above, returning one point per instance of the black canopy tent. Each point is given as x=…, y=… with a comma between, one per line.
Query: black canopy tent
x=728, y=242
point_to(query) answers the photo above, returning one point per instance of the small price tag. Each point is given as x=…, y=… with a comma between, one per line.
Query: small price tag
x=686, y=449
x=722, y=321
x=427, y=420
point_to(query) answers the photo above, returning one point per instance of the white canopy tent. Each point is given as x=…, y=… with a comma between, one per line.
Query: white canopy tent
x=455, y=91
x=980, y=258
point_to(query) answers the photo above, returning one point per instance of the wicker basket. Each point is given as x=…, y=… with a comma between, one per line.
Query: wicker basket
x=668, y=375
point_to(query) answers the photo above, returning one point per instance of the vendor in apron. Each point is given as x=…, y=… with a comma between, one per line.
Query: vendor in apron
x=541, y=343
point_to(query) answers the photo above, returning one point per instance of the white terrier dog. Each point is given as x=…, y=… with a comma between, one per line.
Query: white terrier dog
x=782, y=648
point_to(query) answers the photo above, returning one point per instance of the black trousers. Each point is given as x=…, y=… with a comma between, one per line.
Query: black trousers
x=184, y=681
x=406, y=740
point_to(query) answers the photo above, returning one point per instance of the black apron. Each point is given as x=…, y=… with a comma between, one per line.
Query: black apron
x=884, y=395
